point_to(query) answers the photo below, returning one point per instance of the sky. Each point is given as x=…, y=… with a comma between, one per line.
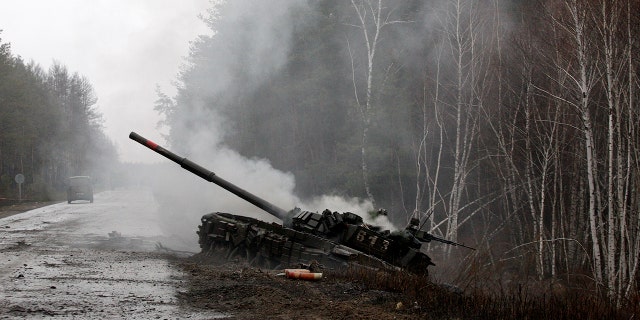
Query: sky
x=125, y=48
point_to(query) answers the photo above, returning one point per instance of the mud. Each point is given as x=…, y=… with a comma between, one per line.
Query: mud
x=60, y=261
x=244, y=292
x=12, y=207
x=106, y=260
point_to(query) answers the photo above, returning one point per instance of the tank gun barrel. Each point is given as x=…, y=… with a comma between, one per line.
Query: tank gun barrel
x=427, y=237
x=210, y=176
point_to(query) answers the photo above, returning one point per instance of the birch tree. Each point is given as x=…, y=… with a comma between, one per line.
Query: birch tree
x=606, y=26
x=460, y=27
x=631, y=242
x=584, y=81
x=598, y=81
x=610, y=24
x=372, y=17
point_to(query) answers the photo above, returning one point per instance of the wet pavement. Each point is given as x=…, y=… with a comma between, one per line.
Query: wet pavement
x=106, y=259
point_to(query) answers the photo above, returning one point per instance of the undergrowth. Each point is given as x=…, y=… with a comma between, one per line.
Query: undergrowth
x=431, y=300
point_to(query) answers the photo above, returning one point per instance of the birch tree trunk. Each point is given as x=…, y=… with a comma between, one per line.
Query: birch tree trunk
x=371, y=21
x=607, y=29
x=435, y=199
x=578, y=14
x=461, y=33
x=627, y=242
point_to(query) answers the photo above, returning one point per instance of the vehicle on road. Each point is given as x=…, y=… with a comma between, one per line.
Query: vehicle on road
x=79, y=188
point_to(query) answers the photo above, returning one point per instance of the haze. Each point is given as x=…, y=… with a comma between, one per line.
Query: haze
x=126, y=49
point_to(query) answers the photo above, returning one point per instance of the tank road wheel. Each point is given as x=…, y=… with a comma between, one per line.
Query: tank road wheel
x=240, y=252
x=260, y=260
x=213, y=248
x=217, y=251
x=210, y=247
x=256, y=261
x=222, y=249
x=228, y=251
x=233, y=252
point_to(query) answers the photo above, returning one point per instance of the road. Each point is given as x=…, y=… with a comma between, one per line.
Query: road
x=91, y=260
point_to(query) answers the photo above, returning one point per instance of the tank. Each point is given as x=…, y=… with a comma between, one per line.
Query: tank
x=330, y=239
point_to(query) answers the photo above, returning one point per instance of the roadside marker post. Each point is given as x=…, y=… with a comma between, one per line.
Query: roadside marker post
x=19, y=180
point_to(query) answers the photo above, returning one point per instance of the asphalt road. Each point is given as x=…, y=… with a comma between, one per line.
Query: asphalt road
x=91, y=260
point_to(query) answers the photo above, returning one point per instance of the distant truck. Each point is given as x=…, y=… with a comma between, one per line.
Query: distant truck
x=79, y=188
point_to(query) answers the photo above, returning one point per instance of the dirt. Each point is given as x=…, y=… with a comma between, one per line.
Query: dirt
x=245, y=292
x=212, y=288
x=11, y=207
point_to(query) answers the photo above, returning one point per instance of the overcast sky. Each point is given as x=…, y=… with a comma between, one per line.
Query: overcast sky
x=124, y=47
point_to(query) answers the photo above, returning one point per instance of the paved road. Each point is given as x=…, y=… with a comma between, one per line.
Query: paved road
x=90, y=260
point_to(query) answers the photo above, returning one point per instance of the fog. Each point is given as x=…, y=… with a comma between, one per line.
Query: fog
x=184, y=197
x=125, y=49
x=455, y=112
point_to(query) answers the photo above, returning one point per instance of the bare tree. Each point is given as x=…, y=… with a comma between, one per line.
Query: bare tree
x=461, y=27
x=372, y=17
x=595, y=64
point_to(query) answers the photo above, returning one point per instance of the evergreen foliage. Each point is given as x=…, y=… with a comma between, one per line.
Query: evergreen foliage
x=49, y=128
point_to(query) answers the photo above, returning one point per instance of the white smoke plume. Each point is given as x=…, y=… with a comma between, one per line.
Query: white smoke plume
x=266, y=29
x=184, y=197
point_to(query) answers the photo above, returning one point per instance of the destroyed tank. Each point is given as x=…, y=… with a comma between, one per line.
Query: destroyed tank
x=330, y=239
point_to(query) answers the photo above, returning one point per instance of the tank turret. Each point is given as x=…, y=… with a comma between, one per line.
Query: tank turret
x=330, y=238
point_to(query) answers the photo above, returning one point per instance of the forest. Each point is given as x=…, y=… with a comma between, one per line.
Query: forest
x=508, y=125
x=50, y=129
x=512, y=125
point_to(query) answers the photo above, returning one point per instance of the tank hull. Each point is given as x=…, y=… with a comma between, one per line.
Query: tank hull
x=270, y=245
x=330, y=238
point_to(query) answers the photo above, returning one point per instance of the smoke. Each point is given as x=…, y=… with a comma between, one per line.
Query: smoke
x=184, y=197
x=354, y=205
x=252, y=41
x=254, y=37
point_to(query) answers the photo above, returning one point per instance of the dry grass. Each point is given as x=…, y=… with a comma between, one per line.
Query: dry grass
x=489, y=291
x=519, y=300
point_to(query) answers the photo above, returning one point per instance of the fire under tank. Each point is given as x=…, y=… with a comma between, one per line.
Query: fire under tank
x=331, y=239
